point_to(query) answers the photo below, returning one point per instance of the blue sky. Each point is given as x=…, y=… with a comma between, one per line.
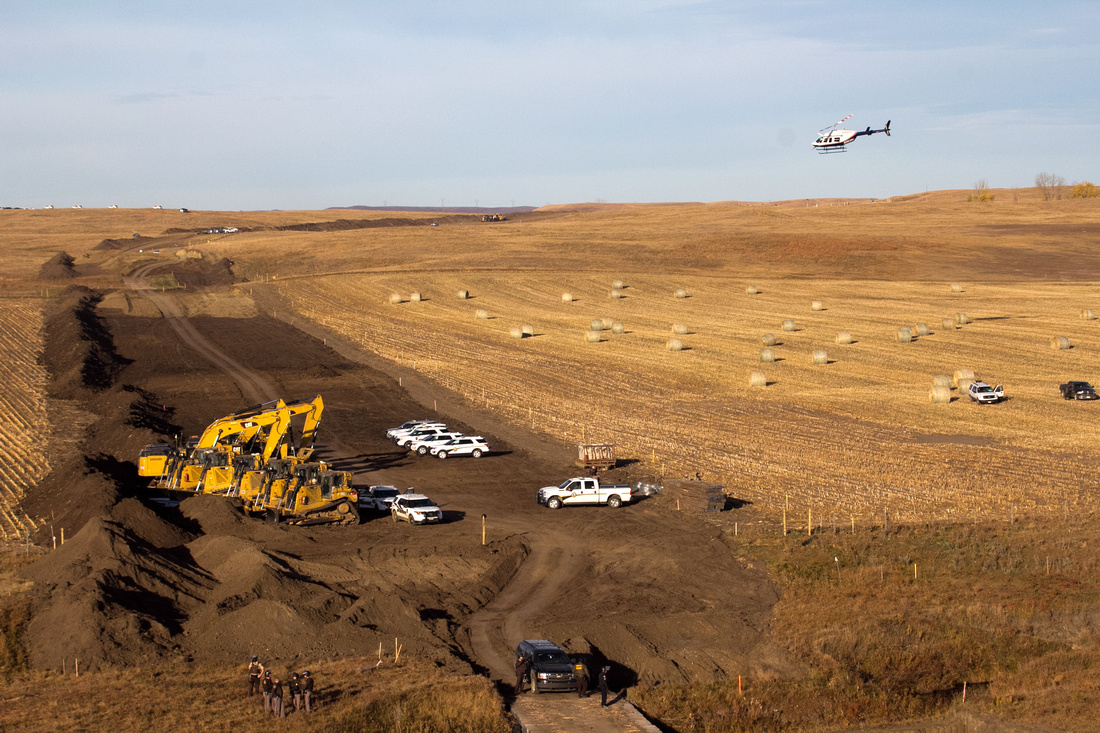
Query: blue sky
x=296, y=105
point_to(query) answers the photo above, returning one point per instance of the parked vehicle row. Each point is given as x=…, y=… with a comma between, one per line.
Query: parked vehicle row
x=429, y=437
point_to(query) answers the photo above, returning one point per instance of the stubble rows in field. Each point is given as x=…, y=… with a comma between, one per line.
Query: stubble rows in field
x=24, y=427
x=857, y=436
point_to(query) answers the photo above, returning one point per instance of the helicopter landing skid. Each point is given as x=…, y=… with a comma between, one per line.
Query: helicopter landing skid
x=826, y=151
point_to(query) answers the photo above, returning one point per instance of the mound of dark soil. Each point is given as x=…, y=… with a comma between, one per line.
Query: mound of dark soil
x=319, y=371
x=58, y=267
x=80, y=353
x=202, y=273
x=124, y=243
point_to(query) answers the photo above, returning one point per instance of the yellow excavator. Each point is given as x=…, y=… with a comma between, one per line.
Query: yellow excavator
x=236, y=454
x=206, y=464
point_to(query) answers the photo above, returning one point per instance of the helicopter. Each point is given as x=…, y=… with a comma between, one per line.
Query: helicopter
x=832, y=140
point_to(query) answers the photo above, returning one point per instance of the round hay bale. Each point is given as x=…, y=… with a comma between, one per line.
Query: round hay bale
x=939, y=395
x=618, y=328
x=962, y=375
x=416, y=297
x=961, y=319
x=679, y=329
x=615, y=294
x=964, y=385
x=905, y=335
x=956, y=287
x=757, y=379
x=921, y=329
x=751, y=290
x=681, y=293
x=1059, y=343
x=517, y=332
x=844, y=337
x=819, y=357
x=675, y=345
x=941, y=380
x=395, y=298
x=607, y=323
x=767, y=356
x=567, y=297
x=528, y=330
x=463, y=294
x=617, y=284
x=788, y=325
x=1088, y=315
x=949, y=323
x=597, y=324
x=816, y=305
x=592, y=337
x=769, y=339
x=482, y=314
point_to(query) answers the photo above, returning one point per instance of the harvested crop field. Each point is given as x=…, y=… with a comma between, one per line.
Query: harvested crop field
x=24, y=428
x=838, y=438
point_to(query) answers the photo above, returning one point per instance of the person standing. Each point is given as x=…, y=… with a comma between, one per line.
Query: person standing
x=580, y=671
x=255, y=671
x=277, y=699
x=307, y=690
x=266, y=687
x=522, y=668
x=295, y=687
x=603, y=686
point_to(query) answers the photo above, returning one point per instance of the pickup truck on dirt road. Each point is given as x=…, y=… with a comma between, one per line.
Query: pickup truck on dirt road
x=582, y=490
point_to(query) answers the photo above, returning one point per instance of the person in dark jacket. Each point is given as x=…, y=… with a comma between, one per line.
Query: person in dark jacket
x=307, y=690
x=295, y=688
x=523, y=666
x=580, y=671
x=603, y=685
x=277, y=699
x=255, y=672
x=266, y=686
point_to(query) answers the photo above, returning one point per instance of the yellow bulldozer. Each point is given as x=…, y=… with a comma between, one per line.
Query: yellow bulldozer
x=239, y=454
x=297, y=490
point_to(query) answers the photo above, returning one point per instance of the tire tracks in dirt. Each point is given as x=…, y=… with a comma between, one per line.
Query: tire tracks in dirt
x=494, y=630
x=254, y=387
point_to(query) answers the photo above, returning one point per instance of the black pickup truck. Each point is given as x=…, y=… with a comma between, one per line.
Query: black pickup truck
x=1078, y=391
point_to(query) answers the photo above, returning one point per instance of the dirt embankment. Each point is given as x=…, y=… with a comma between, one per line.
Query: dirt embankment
x=136, y=583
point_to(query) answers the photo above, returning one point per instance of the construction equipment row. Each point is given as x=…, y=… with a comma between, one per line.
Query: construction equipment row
x=252, y=455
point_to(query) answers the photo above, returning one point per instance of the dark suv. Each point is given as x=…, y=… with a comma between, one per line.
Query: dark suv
x=551, y=669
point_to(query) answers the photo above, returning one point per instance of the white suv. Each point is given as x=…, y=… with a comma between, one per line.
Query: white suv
x=423, y=429
x=415, y=509
x=470, y=445
x=982, y=393
x=422, y=433
x=425, y=443
x=409, y=425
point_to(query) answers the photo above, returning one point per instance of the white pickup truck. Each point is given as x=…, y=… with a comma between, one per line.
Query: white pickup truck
x=586, y=491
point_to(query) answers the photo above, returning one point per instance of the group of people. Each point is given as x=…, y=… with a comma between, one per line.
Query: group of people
x=299, y=688
x=580, y=673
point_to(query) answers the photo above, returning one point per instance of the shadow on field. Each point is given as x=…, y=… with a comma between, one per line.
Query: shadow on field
x=453, y=515
x=365, y=462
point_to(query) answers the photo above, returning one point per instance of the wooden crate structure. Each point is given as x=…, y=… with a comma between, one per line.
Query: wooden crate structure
x=595, y=456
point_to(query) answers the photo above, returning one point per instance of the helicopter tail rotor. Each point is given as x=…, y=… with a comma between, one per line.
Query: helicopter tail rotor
x=887, y=128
